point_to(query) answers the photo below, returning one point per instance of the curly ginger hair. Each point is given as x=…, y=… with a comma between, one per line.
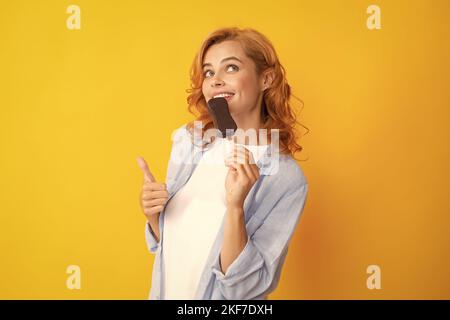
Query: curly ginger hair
x=276, y=110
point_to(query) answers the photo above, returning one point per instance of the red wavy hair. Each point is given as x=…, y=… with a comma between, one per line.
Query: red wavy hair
x=276, y=111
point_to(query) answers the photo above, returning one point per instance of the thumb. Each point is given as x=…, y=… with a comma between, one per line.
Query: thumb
x=144, y=167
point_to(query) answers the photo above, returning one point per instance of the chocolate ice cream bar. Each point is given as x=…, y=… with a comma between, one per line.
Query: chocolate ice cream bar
x=218, y=109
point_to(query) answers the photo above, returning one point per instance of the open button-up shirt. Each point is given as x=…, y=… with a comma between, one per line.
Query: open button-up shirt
x=272, y=211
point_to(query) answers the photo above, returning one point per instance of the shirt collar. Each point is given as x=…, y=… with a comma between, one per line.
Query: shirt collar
x=268, y=163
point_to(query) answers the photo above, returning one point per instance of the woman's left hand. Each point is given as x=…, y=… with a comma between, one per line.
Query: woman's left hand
x=242, y=175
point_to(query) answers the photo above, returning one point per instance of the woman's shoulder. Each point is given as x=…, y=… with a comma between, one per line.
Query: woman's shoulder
x=181, y=131
x=289, y=171
x=186, y=133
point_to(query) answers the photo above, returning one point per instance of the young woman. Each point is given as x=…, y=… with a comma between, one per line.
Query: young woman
x=221, y=224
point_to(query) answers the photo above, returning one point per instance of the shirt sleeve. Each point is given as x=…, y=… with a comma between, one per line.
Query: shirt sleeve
x=150, y=238
x=256, y=270
x=179, y=152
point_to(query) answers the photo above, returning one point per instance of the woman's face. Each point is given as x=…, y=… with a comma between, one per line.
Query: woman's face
x=226, y=68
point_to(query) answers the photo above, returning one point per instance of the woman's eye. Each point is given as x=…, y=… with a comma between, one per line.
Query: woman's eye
x=228, y=67
x=233, y=65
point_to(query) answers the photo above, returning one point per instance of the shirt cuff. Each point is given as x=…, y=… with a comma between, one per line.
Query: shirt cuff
x=152, y=244
x=244, y=265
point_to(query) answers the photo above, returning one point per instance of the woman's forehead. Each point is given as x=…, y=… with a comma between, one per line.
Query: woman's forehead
x=224, y=49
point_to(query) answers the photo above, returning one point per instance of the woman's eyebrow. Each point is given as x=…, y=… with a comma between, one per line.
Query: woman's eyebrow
x=223, y=60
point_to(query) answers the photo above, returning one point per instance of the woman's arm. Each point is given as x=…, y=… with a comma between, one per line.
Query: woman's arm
x=235, y=237
x=255, y=272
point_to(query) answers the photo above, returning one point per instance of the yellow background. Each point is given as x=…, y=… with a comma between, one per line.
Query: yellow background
x=78, y=106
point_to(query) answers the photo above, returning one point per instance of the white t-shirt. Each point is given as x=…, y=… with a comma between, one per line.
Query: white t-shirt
x=192, y=219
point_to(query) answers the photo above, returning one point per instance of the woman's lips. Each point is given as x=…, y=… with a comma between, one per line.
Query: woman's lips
x=229, y=97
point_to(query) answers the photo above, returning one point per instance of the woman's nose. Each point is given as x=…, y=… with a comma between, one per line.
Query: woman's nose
x=217, y=82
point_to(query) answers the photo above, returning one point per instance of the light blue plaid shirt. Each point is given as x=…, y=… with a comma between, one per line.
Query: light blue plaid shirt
x=272, y=211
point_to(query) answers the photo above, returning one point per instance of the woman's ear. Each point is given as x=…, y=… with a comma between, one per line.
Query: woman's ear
x=267, y=79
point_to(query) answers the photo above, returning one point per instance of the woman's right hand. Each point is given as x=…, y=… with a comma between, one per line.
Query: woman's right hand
x=154, y=195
